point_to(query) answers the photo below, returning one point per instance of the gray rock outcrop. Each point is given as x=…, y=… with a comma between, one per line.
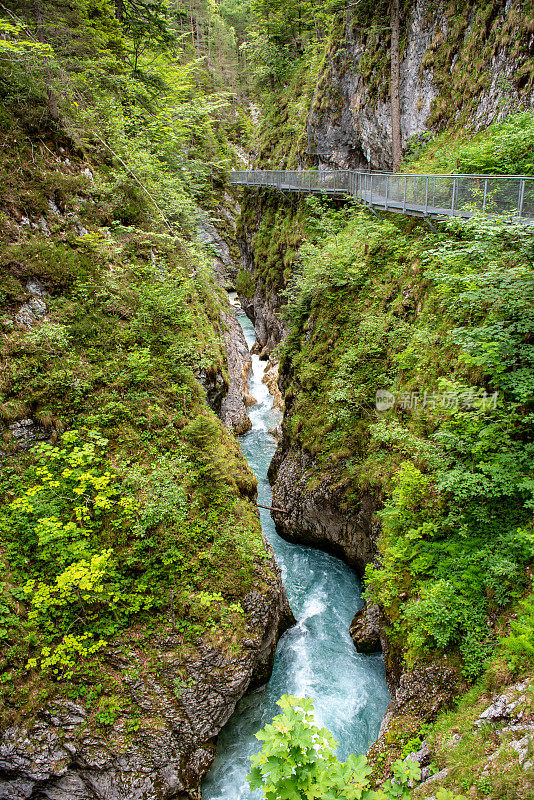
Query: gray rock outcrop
x=349, y=124
x=64, y=755
x=233, y=411
x=365, y=629
x=315, y=509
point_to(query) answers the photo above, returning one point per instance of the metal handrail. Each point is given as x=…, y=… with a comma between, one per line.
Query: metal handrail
x=385, y=172
x=416, y=194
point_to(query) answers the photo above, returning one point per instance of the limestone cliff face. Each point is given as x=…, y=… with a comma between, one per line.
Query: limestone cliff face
x=62, y=755
x=233, y=407
x=315, y=509
x=263, y=300
x=229, y=397
x=464, y=62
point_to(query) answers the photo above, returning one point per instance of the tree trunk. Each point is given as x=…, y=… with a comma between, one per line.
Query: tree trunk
x=119, y=9
x=396, y=140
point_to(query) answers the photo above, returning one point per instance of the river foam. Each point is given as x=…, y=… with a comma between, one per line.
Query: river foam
x=316, y=658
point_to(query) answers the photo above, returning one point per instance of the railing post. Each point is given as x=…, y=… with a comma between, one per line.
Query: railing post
x=453, y=195
x=521, y=196
x=426, y=197
x=404, y=201
x=387, y=190
x=371, y=201
x=485, y=195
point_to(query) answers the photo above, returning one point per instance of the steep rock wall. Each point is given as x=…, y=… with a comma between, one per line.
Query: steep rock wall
x=460, y=63
x=60, y=755
x=315, y=508
x=268, y=234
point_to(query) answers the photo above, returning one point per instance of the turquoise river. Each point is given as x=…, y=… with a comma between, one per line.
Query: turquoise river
x=316, y=658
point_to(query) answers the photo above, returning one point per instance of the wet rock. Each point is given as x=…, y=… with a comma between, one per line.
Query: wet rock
x=365, y=629
x=264, y=311
x=315, y=505
x=249, y=399
x=215, y=387
x=418, y=694
x=224, y=264
x=270, y=379
x=263, y=308
x=276, y=433
x=233, y=406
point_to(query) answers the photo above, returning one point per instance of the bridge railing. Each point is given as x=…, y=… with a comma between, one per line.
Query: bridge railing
x=424, y=195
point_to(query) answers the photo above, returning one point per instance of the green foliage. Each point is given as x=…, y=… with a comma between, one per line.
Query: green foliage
x=109, y=709
x=145, y=27
x=518, y=647
x=373, y=307
x=70, y=492
x=244, y=284
x=504, y=148
x=297, y=760
x=137, y=504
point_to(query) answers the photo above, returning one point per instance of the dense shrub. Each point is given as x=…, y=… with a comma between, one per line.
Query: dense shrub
x=444, y=322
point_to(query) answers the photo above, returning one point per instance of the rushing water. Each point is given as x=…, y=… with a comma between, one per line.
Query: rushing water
x=316, y=658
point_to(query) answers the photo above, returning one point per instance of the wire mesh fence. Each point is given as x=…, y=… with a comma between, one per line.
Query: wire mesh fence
x=421, y=195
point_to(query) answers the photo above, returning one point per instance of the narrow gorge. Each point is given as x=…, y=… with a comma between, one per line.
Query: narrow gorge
x=266, y=453
x=316, y=657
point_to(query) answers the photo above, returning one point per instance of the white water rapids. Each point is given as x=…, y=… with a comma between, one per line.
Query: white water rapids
x=316, y=658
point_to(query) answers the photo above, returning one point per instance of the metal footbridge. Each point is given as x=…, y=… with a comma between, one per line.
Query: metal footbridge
x=434, y=196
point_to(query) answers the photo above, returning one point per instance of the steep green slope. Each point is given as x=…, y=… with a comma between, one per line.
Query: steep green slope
x=133, y=564
x=442, y=323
